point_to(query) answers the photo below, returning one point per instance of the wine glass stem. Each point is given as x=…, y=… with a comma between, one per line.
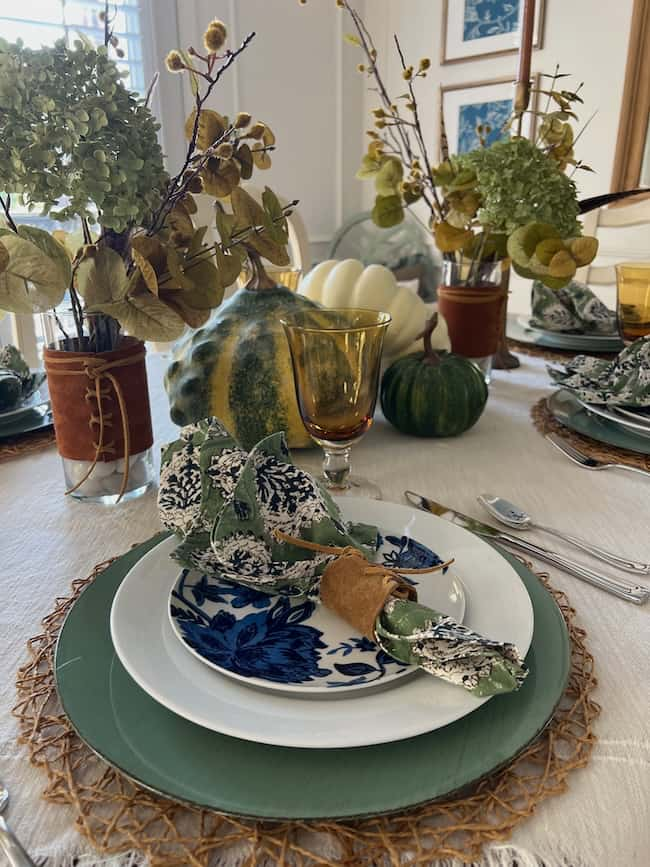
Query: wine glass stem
x=336, y=467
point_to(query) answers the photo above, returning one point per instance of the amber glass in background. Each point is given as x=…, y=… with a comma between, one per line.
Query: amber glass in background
x=633, y=307
x=336, y=356
x=289, y=277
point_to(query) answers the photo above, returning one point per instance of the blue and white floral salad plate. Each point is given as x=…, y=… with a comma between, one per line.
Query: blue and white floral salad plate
x=295, y=644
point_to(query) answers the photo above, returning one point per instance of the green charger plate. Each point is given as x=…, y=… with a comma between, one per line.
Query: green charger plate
x=566, y=409
x=168, y=754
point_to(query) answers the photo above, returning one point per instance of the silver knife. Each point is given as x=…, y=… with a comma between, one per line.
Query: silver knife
x=636, y=593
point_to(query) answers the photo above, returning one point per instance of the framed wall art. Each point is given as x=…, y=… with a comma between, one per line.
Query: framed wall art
x=488, y=103
x=484, y=28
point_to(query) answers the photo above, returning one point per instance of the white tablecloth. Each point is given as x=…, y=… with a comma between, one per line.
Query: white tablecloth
x=602, y=821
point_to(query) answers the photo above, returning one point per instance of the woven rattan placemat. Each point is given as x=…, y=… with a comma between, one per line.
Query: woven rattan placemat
x=116, y=815
x=546, y=423
x=34, y=441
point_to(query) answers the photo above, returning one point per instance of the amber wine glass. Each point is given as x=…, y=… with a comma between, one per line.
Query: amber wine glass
x=633, y=282
x=336, y=357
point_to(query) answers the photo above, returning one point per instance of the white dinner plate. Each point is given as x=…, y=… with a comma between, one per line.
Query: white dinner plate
x=572, y=341
x=640, y=428
x=498, y=606
x=294, y=645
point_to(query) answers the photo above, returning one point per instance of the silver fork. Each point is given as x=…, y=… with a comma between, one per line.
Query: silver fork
x=9, y=845
x=588, y=463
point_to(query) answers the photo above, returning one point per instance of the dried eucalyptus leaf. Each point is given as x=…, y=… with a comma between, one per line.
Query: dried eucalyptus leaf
x=32, y=281
x=248, y=211
x=197, y=240
x=176, y=277
x=52, y=248
x=228, y=268
x=244, y=157
x=101, y=277
x=261, y=157
x=146, y=270
x=388, y=211
x=275, y=253
x=451, y=238
x=144, y=316
x=389, y=177
x=177, y=301
x=212, y=126
x=225, y=223
x=4, y=257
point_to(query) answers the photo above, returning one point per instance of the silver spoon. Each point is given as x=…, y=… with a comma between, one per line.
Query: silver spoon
x=512, y=516
x=14, y=852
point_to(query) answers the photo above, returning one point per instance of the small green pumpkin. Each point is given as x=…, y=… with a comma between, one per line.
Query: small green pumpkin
x=427, y=394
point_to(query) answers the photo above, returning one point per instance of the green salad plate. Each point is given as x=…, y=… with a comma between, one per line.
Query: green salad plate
x=567, y=409
x=168, y=754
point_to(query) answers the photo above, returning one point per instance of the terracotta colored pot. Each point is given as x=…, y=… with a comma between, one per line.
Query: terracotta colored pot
x=90, y=391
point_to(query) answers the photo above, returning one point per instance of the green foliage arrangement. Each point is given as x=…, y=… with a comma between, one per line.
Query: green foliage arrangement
x=76, y=142
x=511, y=199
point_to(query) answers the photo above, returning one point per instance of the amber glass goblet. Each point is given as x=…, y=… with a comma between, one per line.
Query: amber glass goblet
x=336, y=357
x=633, y=282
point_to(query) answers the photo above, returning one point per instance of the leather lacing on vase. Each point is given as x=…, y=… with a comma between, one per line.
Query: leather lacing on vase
x=98, y=370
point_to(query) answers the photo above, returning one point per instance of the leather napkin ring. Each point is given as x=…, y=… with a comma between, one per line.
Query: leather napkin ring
x=357, y=591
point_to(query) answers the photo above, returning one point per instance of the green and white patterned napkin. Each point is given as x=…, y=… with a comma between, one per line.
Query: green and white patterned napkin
x=574, y=308
x=625, y=381
x=225, y=504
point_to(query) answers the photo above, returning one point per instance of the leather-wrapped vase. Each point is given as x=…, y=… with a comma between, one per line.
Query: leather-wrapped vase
x=102, y=419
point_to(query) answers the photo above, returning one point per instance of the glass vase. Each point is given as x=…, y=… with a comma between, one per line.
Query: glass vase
x=101, y=413
x=471, y=300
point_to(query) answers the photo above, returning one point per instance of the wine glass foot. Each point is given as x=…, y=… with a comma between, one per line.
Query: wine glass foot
x=356, y=486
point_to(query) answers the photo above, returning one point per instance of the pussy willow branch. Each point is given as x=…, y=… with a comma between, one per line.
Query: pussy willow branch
x=177, y=183
x=407, y=154
x=418, y=130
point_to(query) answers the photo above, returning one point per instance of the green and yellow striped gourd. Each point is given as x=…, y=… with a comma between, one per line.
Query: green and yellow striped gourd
x=427, y=394
x=237, y=367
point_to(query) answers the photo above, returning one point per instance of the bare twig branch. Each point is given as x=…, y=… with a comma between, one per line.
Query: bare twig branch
x=5, y=207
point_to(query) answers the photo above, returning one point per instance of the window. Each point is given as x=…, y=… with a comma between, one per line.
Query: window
x=42, y=22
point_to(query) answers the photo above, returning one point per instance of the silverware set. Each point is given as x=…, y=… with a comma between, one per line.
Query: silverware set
x=510, y=515
x=573, y=454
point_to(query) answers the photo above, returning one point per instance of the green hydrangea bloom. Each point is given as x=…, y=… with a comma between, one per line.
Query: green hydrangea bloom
x=71, y=131
x=520, y=184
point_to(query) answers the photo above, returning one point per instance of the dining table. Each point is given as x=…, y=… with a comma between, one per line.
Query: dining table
x=602, y=819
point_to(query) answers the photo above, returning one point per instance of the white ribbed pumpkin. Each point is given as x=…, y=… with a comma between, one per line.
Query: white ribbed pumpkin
x=348, y=283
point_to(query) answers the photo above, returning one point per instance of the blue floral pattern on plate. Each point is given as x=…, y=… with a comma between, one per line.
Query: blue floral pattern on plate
x=285, y=642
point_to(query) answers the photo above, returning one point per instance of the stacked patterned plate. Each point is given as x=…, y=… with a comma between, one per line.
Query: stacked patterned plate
x=624, y=427
x=521, y=329
x=30, y=415
x=278, y=710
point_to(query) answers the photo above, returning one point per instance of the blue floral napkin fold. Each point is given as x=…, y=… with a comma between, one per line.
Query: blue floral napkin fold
x=625, y=381
x=225, y=505
x=572, y=309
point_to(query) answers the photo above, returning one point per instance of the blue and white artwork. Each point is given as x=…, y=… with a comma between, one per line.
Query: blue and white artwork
x=494, y=113
x=485, y=18
x=480, y=28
